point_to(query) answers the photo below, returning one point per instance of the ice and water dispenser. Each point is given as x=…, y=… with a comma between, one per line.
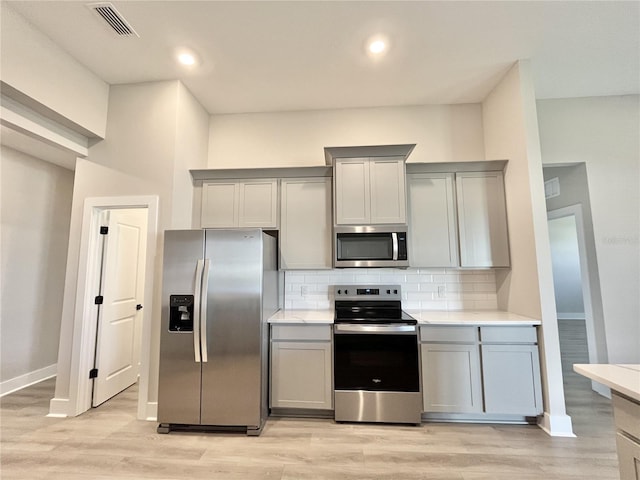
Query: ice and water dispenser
x=181, y=313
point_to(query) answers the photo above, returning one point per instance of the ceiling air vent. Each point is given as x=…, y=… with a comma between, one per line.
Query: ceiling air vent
x=109, y=14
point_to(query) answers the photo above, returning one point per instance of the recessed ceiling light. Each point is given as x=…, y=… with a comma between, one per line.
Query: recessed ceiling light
x=377, y=46
x=187, y=58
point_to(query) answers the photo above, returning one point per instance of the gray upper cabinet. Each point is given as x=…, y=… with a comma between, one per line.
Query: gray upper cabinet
x=246, y=203
x=433, y=233
x=305, y=223
x=370, y=191
x=482, y=219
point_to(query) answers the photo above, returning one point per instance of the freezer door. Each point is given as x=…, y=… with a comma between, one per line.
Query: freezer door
x=179, y=382
x=231, y=375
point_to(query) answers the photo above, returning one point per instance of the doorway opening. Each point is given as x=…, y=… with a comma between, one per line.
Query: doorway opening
x=111, y=346
x=575, y=274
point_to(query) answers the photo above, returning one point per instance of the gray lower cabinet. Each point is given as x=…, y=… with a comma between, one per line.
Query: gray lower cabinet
x=511, y=379
x=481, y=370
x=626, y=413
x=451, y=378
x=301, y=367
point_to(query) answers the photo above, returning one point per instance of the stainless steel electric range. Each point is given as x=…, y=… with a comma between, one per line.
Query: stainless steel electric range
x=376, y=356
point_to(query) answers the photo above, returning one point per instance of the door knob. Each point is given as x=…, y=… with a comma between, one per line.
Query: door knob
x=138, y=307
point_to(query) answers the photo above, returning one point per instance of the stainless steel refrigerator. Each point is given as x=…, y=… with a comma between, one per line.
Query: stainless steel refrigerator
x=219, y=289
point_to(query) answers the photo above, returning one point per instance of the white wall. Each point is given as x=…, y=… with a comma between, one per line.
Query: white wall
x=34, y=216
x=443, y=133
x=603, y=132
x=565, y=258
x=39, y=69
x=137, y=157
x=511, y=132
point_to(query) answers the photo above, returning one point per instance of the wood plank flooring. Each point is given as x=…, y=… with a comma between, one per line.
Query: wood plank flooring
x=109, y=443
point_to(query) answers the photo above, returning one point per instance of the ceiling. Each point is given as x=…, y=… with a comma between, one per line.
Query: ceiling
x=301, y=55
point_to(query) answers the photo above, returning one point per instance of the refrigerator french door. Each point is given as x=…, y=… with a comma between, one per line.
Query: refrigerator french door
x=219, y=288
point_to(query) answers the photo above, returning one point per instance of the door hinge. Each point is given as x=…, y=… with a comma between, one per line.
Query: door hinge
x=104, y=230
x=93, y=373
x=99, y=299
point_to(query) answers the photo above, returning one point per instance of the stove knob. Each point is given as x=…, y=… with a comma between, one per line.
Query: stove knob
x=395, y=292
x=339, y=292
x=346, y=292
x=388, y=292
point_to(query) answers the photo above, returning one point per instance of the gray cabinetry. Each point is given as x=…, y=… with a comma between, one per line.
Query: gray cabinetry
x=482, y=219
x=301, y=367
x=305, y=223
x=241, y=203
x=492, y=371
x=433, y=237
x=370, y=191
x=451, y=369
x=511, y=370
x=626, y=413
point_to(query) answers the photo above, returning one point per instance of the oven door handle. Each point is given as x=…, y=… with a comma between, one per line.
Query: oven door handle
x=375, y=329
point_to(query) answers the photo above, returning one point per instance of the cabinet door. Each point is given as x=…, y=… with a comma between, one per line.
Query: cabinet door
x=352, y=191
x=219, y=205
x=482, y=220
x=451, y=378
x=433, y=234
x=305, y=223
x=301, y=375
x=388, y=197
x=258, y=204
x=511, y=375
x=628, y=457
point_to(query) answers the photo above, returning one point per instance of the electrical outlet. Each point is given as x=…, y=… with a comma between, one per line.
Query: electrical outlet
x=441, y=291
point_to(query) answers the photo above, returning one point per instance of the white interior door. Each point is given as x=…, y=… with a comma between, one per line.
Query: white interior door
x=120, y=317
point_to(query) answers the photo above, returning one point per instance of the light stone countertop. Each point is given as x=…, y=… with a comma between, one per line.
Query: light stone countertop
x=471, y=317
x=620, y=378
x=303, y=316
x=479, y=317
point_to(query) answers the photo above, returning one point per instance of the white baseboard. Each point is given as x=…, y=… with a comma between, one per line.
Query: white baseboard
x=151, y=414
x=571, y=316
x=556, y=425
x=58, y=407
x=31, y=378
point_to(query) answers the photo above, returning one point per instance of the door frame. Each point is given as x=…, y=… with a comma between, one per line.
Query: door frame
x=85, y=314
x=595, y=356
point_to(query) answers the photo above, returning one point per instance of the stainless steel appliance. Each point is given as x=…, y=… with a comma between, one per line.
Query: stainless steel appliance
x=371, y=246
x=219, y=288
x=376, y=356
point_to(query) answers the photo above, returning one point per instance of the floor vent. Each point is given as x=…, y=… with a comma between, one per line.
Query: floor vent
x=109, y=14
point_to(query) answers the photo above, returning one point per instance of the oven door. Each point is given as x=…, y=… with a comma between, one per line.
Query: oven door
x=380, y=358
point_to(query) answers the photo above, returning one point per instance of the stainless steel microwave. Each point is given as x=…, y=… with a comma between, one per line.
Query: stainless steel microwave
x=370, y=246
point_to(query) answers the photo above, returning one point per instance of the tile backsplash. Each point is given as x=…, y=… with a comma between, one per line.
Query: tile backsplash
x=422, y=288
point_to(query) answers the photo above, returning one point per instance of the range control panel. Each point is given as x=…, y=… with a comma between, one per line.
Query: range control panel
x=367, y=292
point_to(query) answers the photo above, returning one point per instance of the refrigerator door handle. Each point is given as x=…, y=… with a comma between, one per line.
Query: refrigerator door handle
x=197, y=310
x=203, y=311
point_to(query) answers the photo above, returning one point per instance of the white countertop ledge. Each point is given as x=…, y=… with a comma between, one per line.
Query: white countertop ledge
x=471, y=317
x=622, y=378
x=479, y=317
x=303, y=317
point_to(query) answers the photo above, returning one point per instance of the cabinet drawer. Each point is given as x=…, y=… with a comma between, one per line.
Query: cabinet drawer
x=449, y=334
x=301, y=332
x=508, y=334
x=626, y=414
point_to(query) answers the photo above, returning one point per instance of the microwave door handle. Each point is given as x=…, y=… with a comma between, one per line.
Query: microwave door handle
x=394, y=239
x=197, y=311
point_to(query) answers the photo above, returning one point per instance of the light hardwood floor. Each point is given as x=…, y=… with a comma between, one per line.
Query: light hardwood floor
x=109, y=443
